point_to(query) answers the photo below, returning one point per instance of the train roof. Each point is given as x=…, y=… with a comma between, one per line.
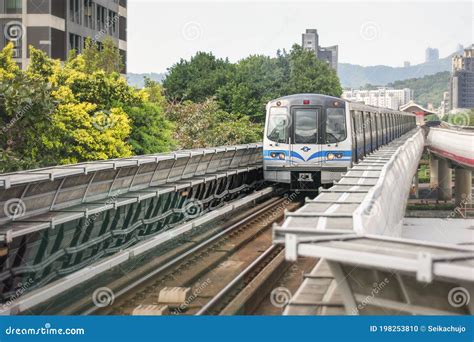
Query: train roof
x=321, y=99
x=314, y=97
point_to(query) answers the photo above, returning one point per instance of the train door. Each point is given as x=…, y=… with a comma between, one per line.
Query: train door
x=305, y=136
x=360, y=134
x=354, y=137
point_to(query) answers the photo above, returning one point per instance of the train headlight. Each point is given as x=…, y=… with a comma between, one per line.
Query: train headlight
x=273, y=155
x=330, y=156
x=281, y=156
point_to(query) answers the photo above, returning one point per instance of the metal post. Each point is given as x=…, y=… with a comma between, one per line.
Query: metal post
x=463, y=186
x=445, y=191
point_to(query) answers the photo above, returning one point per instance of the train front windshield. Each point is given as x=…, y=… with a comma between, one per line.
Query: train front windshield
x=278, y=123
x=306, y=126
x=335, y=125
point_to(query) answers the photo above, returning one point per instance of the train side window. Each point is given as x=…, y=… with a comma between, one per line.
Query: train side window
x=335, y=125
x=278, y=123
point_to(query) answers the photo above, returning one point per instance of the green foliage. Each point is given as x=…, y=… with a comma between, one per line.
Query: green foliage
x=310, y=75
x=427, y=89
x=246, y=87
x=255, y=81
x=106, y=58
x=154, y=92
x=152, y=133
x=206, y=125
x=197, y=79
x=464, y=118
x=25, y=105
x=53, y=114
x=432, y=117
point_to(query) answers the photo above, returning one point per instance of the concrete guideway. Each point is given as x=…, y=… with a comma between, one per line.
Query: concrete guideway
x=355, y=228
x=451, y=147
x=363, y=200
x=457, y=145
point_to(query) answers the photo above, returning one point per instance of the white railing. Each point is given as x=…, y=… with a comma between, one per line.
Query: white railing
x=382, y=210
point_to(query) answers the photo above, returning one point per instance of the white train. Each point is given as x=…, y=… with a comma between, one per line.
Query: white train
x=311, y=139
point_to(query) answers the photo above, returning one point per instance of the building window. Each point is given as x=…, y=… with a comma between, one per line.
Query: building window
x=75, y=42
x=101, y=17
x=13, y=6
x=112, y=22
x=75, y=11
x=89, y=13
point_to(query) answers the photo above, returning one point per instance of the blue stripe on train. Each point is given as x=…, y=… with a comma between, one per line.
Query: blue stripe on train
x=320, y=154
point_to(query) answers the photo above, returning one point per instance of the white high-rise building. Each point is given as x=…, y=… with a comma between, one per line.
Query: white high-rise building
x=382, y=97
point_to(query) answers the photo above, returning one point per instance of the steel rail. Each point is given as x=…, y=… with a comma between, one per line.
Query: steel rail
x=237, y=280
x=273, y=202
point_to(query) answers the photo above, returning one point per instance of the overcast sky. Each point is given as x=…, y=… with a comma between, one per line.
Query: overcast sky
x=368, y=33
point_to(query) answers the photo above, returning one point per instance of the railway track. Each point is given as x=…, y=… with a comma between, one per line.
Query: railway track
x=208, y=267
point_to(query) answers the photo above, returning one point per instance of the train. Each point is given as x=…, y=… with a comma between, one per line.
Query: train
x=310, y=140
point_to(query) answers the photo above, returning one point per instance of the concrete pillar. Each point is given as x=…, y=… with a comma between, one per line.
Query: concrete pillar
x=462, y=186
x=433, y=172
x=416, y=184
x=445, y=190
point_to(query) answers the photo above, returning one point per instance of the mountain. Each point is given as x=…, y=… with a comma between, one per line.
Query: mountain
x=357, y=76
x=427, y=89
x=138, y=81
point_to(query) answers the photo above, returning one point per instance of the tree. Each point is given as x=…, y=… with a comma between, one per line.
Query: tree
x=106, y=57
x=25, y=105
x=154, y=92
x=246, y=87
x=463, y=118
x=197, y=79
x=311, y=75
x=255, y=81
x=206, y=125
x=152, y=132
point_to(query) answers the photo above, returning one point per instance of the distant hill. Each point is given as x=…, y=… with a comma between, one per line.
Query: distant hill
x=428, y=89
x=137, y=80
x=357, y=76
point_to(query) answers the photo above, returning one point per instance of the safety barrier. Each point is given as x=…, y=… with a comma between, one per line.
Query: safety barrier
x=383, y=208
x=369, y=199
x=29, y=193
x=56, y=221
